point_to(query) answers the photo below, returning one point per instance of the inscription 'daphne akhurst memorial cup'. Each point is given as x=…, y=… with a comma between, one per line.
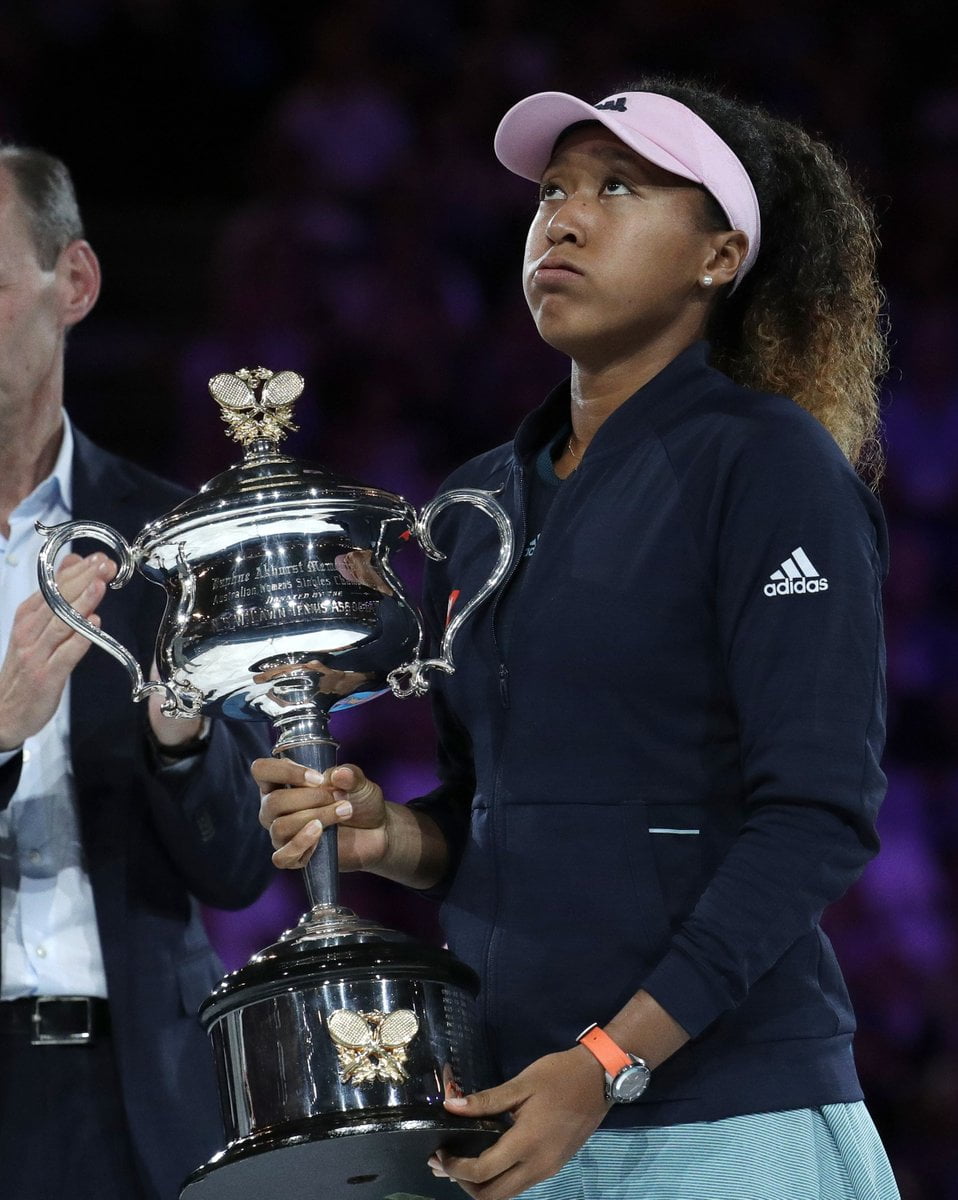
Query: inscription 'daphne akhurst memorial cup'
x=335, y=1046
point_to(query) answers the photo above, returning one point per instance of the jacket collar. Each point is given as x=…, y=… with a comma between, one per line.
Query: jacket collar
x=100, y=482
x=102, y=491
x=684, y=379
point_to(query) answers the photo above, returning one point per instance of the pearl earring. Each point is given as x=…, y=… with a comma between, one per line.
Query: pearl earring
x=706, y=281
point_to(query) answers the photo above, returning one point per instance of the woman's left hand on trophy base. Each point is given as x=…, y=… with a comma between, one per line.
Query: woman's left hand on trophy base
x=556, y=1103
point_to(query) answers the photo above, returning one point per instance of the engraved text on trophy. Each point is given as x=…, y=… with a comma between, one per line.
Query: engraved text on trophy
x=288, y=585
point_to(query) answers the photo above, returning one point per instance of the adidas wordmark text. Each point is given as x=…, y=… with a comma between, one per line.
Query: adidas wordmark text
x=796, y=576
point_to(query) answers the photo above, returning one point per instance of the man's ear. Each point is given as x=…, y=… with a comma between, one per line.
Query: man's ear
x=726, y=256
x=78, y=272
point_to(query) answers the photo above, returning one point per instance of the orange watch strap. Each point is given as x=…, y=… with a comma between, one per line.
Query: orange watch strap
x=612, y=1057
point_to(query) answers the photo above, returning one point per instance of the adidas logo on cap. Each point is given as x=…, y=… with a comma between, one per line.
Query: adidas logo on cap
x=796, y=575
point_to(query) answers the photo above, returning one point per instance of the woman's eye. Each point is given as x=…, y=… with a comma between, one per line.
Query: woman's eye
x=550, y=191
x=616, y=187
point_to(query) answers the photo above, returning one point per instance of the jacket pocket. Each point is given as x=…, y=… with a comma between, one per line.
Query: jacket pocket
x=579, y=922
x=679, y=849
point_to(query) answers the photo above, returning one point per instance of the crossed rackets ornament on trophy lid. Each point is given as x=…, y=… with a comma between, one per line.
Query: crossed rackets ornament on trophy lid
x=335, y=1046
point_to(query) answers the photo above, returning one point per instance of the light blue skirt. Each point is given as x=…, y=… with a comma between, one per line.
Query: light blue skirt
x=830, y=1153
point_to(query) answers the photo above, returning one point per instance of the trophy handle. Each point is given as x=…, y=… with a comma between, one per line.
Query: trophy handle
x=409, y=680
x=174, y=704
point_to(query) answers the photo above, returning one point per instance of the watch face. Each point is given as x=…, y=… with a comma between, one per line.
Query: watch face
x=629, y=1084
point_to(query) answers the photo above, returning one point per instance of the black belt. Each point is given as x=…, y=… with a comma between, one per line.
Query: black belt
x=56, y=1020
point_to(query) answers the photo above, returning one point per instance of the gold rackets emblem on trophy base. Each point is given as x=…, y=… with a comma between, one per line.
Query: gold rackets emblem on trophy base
x=372, y=1045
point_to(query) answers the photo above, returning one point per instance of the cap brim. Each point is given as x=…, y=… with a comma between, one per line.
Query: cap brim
x=527, y=134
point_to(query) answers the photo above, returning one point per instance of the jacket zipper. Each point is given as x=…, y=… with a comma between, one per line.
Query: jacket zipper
x=521, y=545
x=503, y=670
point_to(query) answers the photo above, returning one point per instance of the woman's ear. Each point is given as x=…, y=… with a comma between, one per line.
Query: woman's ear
x=725, y=258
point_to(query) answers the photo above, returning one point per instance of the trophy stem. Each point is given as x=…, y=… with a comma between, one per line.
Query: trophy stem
x=304, y=739
x=321, y=873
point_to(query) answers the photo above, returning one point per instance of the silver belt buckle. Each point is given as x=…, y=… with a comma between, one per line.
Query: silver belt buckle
x=43, y=1037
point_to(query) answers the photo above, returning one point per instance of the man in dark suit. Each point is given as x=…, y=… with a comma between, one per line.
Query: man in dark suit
x=116, y=822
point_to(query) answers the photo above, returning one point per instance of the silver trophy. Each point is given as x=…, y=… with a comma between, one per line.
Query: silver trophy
x=335, y=1046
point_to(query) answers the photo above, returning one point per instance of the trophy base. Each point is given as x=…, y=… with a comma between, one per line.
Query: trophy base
x=368, y=1161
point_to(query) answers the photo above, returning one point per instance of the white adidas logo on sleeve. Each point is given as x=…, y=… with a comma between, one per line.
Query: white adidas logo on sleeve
x=796, y=575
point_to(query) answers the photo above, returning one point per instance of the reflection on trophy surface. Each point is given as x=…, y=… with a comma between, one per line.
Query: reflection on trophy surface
x=336, y=1045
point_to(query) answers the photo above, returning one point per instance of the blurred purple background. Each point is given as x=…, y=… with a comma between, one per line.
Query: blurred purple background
x=312, y=186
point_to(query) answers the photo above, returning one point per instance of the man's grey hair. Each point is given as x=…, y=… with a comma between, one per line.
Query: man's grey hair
x=46, y=190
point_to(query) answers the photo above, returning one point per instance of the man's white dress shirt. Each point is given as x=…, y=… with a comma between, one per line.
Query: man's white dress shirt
x=50, y=942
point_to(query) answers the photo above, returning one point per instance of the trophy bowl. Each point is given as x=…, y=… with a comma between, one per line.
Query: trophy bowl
x=336, y=1046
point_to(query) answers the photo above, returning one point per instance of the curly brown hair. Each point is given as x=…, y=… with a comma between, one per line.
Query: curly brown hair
x=807, y=321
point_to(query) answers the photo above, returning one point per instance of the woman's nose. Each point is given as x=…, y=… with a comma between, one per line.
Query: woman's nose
x=566, y=224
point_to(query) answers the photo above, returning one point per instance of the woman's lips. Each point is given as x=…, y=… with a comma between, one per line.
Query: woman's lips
x=556, y=271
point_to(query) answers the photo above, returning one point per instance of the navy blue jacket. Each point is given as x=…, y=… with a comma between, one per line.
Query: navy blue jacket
x=157, y=844
x=675, y=767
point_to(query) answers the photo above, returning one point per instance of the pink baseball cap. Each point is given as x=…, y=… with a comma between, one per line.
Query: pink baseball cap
x=659, y=128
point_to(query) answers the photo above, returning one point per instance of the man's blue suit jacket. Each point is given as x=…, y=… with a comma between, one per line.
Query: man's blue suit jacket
x=157, y=844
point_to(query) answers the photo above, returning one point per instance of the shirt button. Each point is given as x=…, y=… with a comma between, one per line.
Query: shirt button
x=34, y=856
x=41, y=951
x=12, y=560
x=26, y=756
